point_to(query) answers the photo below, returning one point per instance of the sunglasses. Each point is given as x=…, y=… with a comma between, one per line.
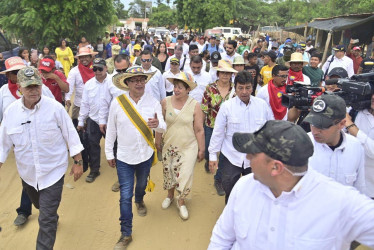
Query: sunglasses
x=97, y=69
x=146, y=60
x=121, y=70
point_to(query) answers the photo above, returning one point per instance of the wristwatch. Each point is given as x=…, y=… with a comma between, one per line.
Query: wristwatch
x=80, y=162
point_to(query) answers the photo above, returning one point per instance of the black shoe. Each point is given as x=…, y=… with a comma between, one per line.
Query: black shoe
x=92, y=176
x=20, y=220
x=206, y=165
x=219, y=188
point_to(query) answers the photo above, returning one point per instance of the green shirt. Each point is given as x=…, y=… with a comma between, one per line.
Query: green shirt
x=242, y=48
x=315, y=75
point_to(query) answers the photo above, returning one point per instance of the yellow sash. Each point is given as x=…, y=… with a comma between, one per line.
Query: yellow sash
x=139, y=123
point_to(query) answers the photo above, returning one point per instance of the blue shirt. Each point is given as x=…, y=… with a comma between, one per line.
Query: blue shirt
x=211, y=48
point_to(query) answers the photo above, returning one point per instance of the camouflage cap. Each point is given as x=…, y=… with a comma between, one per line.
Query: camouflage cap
x=326, y=109
x=29, y=76
x=280, y=140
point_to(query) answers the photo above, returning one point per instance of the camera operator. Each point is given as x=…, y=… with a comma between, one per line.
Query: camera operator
x=336, y=154
x=363, y=130
x=335, y=73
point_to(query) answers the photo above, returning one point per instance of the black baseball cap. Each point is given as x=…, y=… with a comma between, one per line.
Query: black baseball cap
x=215, y=56
x=338, y=71
x=180, y=37
x=326, y=109
x=99, y=62
x=339, y=48
x=278, y=139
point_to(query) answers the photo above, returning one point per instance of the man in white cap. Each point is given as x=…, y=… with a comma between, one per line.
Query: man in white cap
x=42, y=134
x=9, y=93
x=133, y=117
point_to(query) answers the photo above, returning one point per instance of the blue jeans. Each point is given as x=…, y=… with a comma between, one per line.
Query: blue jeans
x=26, y=205
x=126, y=173
x=208, y=134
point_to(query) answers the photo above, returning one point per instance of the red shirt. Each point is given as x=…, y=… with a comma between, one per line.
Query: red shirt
x=53, y=86
x=356, y=62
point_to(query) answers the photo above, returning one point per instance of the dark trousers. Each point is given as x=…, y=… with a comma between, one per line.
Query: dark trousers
x=208, y=134
x=94, y=136
x=231, y=175
x=47, y=201
x=26, y=205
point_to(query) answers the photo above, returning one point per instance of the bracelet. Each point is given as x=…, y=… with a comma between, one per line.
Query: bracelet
x=350, y=126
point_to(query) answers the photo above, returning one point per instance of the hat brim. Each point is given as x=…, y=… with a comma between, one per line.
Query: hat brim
x=48, y=69
x=31, y=82
x=87, y=54
x=18, y=67
x=318, y=121
x=245, y=143
x=225, y=70
x=288, y=63
x=119, y=79
x=192, y=85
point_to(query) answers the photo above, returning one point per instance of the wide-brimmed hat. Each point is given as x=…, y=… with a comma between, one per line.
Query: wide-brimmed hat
x=13, y=63
x=119, y=79
x=85, y=51
x=171, y=46
x=225, y=66
x=296, y=57
x=184, y=77
x=238, y=60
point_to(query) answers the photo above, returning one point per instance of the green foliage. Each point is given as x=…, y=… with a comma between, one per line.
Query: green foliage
x=138, y=9
x=45, y=22
x=119, y=7
x=162, y=16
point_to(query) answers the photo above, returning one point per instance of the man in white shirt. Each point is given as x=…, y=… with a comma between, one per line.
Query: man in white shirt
x=156, y=85
x=363, y=130
x=230, y=53
x=283, y=204
x=272, y=93
x=193, y=51
x=180, y=41
x=40, y=130
x=9, y=93
x=339, y=60
x=336, y=154
x=135, y=152
x=201, y=77
x=178, y=53
x=171, y=73
x=243, y=113
x=92, y=98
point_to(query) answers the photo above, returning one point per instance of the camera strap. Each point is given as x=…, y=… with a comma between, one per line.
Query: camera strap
x=327, y=70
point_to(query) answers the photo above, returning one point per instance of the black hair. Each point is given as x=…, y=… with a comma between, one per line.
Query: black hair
x=158, y=48
x=251, y=55
x=245, y=39
x=146, y=52
x=233, y=43
x=192, y=47
x=21, y=50
x=277, y=68
x=48, y=57
x=61, y=40
x=316, y=54
x=45, y=46
x=120, y=57
x=243, y=77
x=196, y=59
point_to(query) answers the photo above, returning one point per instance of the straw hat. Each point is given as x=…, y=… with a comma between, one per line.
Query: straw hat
x=184, y=77
x=85, y=51
x=225, y=66
x=296, y=57
x=13, y=63
x=238, y=60
x=119, y=79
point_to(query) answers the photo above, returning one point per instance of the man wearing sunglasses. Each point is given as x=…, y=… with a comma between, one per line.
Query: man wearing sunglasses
x=272, y=93
x=89, y=118
x=156, y=85
x=336, y=154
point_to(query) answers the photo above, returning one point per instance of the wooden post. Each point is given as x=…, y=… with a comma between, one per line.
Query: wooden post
x=341, y=37
x=254, y=42
x=305, y=31
x=317, y=37
x=326, y=47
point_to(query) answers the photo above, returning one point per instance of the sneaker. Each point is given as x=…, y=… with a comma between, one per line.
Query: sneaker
x=206, y=166
x=115, y=187
x=123, y=242
x=166, y=203
x=219, y=188
x=20, y=220
x=142, y=209
x=92, y=177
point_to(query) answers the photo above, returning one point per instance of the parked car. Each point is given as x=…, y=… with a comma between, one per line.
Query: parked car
x=230, y=31
x=7, y=48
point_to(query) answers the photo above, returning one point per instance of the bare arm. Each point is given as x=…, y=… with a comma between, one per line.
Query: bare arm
x=158, y=136
x=199, y=131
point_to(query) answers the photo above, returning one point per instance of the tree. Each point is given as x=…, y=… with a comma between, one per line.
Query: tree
x=40, y=23
x=120, y=9
x=138, y=8
x=162, y=16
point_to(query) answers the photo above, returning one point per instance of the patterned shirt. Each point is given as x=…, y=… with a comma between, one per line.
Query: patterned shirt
x=212, y=101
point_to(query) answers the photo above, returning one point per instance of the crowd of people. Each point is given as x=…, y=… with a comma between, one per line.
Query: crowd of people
x=184, y=99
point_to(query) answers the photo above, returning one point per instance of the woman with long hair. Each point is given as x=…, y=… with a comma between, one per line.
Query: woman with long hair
x=65, y=56
x=25, y=55
x=45, y=52
x=162, y=54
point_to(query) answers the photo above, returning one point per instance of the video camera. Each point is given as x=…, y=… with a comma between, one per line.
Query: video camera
x=303, y=97
x=356, y=91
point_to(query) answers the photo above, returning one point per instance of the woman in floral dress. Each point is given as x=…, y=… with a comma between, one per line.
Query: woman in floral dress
x=183, y=141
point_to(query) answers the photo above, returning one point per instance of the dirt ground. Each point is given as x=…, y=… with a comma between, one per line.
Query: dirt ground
x=89, y=214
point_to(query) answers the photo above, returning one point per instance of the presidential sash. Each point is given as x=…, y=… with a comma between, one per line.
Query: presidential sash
x=139, y=123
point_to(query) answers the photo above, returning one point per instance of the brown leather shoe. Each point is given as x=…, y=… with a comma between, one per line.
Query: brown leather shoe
x=142, y=209
x=123, y=242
